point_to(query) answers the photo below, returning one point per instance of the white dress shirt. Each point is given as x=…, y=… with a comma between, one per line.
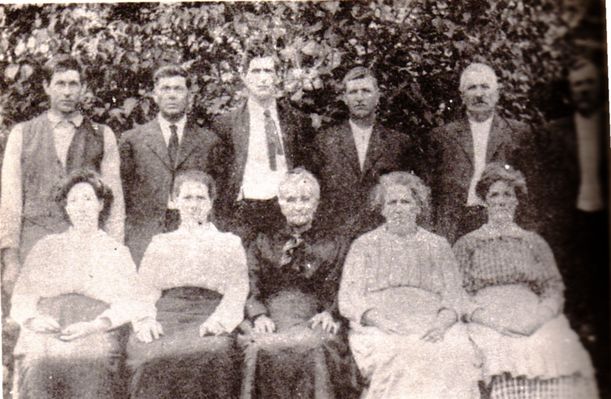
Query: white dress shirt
x=164, y=124
x=590, y=198
x=11, y=198
x=480, y=132
x=361, y=140
x=259, y=181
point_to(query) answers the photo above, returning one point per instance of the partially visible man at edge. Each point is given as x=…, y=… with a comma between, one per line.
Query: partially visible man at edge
x=42, y=151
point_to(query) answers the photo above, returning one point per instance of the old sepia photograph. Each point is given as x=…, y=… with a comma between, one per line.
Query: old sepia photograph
x=376, y=199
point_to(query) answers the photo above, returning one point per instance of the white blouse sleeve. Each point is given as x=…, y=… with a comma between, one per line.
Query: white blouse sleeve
x=352, y=298
x=230, y=311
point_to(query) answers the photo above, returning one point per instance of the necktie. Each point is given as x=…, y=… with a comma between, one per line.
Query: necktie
x=173, y=144
x=274, y=146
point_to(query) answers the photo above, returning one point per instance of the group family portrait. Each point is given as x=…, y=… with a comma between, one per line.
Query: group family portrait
x=378, y=199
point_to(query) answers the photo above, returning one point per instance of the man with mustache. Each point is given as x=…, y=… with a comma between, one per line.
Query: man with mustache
x=459, y=151
x=154, y=153
x=262, y=138
x=42, y=151
x=351, y=156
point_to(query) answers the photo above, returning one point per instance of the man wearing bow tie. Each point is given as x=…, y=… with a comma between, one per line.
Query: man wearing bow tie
x=42, y=151
x=263, y=138
x=154, y=153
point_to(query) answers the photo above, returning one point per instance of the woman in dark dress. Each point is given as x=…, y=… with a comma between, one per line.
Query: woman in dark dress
x=296, y=348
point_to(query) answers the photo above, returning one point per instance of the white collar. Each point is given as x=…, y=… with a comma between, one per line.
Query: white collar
x=165, y=124
x=76, y=119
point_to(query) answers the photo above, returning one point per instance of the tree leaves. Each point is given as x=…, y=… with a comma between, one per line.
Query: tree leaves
x=416, y=47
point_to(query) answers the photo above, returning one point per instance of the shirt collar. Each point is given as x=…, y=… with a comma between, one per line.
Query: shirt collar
x=254, y=108
x=76, y=119
x=165, y=124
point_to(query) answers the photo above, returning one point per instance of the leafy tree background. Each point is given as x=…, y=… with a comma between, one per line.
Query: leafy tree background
x=417, y=48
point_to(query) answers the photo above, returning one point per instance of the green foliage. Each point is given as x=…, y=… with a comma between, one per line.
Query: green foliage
x=416, y=47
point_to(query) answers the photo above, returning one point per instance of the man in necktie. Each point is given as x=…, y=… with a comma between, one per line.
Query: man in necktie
x=458, y=152
x=263, y=138
x=351, y=156
x=42, y=151
x=152, y=155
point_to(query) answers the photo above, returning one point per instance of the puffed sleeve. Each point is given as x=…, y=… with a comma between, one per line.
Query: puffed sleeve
x=352, y=298
x=37, y=277
x=454, y=296
x=230, y=311
x=552, y=297
x=128, y=297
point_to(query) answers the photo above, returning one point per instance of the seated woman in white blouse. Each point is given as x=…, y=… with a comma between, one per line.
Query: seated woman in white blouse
x=75, y=288
x=199, y=281
x=401, y=292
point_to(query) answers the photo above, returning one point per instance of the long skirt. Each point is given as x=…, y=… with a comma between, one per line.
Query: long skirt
x=296, y=361
x=181, y=364
x=88, y=367
x=549, y=364
x=406, y=367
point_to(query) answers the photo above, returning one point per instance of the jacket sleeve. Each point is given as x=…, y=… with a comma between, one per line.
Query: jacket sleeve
x=254, y=305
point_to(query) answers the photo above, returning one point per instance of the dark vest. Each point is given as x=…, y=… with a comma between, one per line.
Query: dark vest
x=42, y=170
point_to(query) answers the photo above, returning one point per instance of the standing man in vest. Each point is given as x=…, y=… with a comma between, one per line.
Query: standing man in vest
x=263, y=139
x=154, y=153
x=42, y=151
x=460, y=150
x=351, y=156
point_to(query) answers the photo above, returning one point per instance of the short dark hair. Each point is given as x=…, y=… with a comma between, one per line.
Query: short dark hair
x=102, y=191
x=257, y=51
x=196, y=176
x=359, y=72
x=170, y=71
x=497, y=171
x=62, y=63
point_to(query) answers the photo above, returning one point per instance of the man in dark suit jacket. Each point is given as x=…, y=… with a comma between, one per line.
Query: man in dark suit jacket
x=577, y=215
x=151, y=156
x=459, y=151
x=262, y=139
x=351, y=156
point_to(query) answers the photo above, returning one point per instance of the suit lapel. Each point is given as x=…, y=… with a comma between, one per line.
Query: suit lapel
x=154, y=140
x=375, y=147
x=241, y=128
x=464, y=138
x=347, y=143
x=287, y=134
x=497, y=136
x=188, y=143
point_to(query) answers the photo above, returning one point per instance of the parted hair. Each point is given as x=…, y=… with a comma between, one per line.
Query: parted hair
x=102, y=191
x=195, y=176
x=413, y=183
x=259, y=50
x=170, y=71
x=359, y=72
x=61, y=63
x=497, y=171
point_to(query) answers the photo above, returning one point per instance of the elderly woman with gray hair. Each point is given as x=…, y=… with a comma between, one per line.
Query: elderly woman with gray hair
x=401, y=292
x=296, y=348
x=527, y=347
